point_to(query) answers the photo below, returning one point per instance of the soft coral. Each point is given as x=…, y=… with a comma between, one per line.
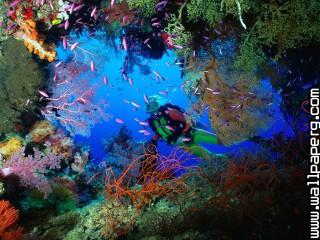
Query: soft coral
x=8, y=218
x=32, y=169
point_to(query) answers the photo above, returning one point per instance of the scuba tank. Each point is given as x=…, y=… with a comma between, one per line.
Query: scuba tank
x=168, y=129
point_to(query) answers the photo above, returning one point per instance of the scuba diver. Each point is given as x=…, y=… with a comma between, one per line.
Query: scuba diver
x=169, y=123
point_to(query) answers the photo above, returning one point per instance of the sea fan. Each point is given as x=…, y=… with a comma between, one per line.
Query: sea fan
x=73, y=102
x=239, y=107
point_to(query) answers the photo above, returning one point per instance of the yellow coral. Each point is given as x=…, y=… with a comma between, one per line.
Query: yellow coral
x=40, y=131
x=10, y=146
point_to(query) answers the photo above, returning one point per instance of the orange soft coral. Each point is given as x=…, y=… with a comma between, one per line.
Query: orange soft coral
x=8, y=218
x=35, y=43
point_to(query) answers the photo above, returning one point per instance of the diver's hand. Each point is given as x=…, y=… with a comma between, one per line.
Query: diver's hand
x=179, y=141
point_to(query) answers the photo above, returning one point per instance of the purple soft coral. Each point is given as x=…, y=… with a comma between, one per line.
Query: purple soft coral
x=32, y=170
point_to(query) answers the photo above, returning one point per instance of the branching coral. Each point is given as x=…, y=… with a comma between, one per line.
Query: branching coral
x=107, y=220
x=288, y=24
x=157, y=179
x=57, y=227
x=276, y=26
x=23, y=26
x=179, y=36
x=8, y=219
x=41, y=131
x=80, y=161
x=204, y=9
x=244, y=183
x=54, y=139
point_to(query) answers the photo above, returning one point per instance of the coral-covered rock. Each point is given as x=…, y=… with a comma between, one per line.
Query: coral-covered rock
x=61, y=144
x=80, y=161
x=10, y=146
x=20, y=78
x=40, y=131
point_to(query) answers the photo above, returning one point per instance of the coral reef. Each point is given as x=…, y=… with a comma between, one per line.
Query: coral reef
x=240, y=59
x=2, y=188
x=22, y=24
x=60, y=144
x=109, y=220
x=207, y=10
x=120, y=13
x=20, y=77
x=181, y=38
x=80, y=161
x=57, y=228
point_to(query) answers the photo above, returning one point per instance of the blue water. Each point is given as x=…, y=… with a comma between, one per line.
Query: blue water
x=108, y=62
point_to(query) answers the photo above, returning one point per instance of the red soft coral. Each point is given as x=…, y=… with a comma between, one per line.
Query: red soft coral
x=28, y=13
x=8, y=218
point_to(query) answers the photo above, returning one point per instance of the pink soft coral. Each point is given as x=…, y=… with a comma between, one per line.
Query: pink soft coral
x=32, y=170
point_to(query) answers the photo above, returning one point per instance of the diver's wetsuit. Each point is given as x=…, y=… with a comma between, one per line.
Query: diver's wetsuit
x=169, y=123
